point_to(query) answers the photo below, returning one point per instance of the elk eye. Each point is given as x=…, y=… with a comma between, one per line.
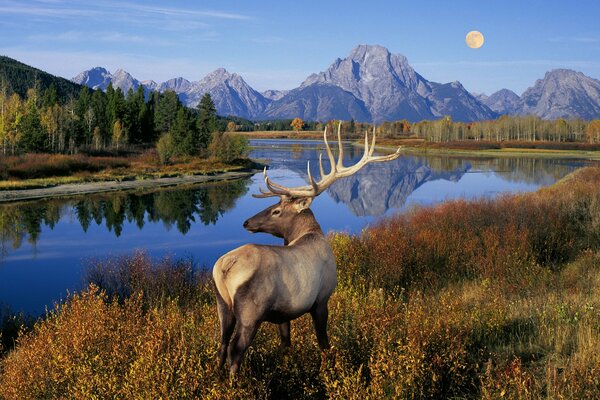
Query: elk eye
x=276, y=212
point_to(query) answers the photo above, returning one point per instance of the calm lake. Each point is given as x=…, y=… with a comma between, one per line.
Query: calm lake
x=46, y=245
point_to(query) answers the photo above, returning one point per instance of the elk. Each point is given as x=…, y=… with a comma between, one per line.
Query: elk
x=257, y=283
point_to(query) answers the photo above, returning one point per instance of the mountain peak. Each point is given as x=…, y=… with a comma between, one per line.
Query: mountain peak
x=503, y=101
x=100, y=70
x=95, y=78
x=220, y=73
x=563, y=93
x=363, y=51
x=562, y=72
x=121, y=72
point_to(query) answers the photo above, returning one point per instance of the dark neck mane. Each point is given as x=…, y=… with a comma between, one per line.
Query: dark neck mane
x=305, y=222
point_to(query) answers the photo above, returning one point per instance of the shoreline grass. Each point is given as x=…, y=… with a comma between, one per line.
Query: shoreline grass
x=467, y=299
x=34, y=171
x=495, y=149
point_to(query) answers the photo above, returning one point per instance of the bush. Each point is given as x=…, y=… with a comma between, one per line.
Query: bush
x=165, y=148
x=32, y=166
x=227, y=147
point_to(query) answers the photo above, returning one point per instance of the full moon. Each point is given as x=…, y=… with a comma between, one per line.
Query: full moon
x=474, y=39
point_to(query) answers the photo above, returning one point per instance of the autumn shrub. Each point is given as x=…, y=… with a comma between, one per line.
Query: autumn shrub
x=509, y=238
x=512, y=144
x=31, y=166
x=227, y=147
x=157, y=281
x=165, y=148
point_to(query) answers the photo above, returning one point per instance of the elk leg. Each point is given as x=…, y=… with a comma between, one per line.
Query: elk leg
x=319, y=314
x=241, y=340
x=284, y=334
x=227, y=322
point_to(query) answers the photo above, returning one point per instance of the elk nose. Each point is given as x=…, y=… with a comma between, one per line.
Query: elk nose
x=245, y=223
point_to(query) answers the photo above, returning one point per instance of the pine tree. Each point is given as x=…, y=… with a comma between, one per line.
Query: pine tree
x=183, y=134
x=166, y=109
x=207, y=120
x=34, y=138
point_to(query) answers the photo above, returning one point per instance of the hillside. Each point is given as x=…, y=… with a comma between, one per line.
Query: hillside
x=21, y=77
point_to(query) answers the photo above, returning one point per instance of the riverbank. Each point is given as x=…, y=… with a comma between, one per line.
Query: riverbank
x=462, y=148
x=317, y=135
x=34, y=176
x=75, y=189
x=494, y=149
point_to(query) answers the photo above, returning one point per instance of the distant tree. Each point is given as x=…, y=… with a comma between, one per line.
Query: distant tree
x=165, y=148
x=184, y=134
x=167, y=105
x=98, y=105
x=231, y=126
x=12, y=121
x=119, y=133
x=51, y=119
x=297, y=124
x=50, y=96
x=3, y=113
x=207, y=120
x=228, y=147
x=33, y=136
x=593, y=131
x=97, y=137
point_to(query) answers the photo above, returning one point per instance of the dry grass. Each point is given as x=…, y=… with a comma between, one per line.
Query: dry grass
x=42, y=170
x=283, y=134
x=506, y=148
x=481, y=299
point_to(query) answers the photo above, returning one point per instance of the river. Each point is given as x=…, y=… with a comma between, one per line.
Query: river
x=46, y=245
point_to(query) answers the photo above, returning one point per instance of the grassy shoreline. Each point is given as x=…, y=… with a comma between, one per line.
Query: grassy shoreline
x=37, y=171
x=419, y=146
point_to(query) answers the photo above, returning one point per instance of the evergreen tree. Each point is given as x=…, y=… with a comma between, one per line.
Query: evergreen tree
x=166, y=110
x=50, y=96
x=98, y=106
x=132, y=119
x=183, y=133
x=34, y=138
x=207, y=120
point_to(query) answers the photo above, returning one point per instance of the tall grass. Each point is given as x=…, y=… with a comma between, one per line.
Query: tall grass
x=469, y=299
x=35, y=166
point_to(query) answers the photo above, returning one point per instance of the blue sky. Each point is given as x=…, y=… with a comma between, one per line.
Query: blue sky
x=277, y=44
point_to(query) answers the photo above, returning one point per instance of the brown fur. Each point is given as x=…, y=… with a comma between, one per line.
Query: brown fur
x=256, y=283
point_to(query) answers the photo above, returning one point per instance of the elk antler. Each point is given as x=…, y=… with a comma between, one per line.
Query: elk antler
x=337, y=170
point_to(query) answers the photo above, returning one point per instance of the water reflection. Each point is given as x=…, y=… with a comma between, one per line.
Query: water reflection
x=180, y=208
x=45, y=244
x=378, y=188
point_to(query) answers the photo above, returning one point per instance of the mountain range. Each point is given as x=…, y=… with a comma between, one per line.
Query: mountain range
x=372, y=85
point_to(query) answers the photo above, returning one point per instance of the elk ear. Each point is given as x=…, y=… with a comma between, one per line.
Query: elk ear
x=302, y=203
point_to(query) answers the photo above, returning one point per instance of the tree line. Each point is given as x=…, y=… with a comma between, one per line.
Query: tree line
x=96, y=120
x=505, y=128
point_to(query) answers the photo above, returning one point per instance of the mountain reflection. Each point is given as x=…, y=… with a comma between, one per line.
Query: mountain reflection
x=179, y=208
x=379, y=187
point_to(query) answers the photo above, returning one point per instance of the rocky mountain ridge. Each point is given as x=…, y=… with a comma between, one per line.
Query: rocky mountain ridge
x=372, y=85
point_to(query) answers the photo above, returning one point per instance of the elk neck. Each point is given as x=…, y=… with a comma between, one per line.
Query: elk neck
x=302, y=224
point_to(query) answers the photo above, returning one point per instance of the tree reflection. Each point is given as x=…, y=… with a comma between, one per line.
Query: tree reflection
x=173, y=207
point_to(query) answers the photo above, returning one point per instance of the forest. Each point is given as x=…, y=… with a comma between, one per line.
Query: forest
x=92, y=121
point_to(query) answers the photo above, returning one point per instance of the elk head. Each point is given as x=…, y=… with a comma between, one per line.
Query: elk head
x=282, y=219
